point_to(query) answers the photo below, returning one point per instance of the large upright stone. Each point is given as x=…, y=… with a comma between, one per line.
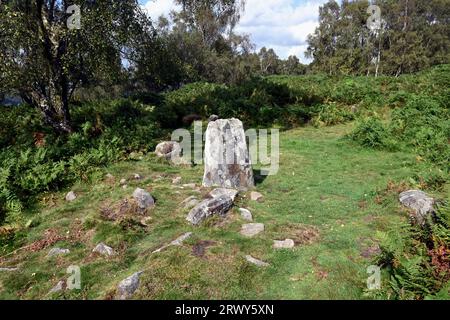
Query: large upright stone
x=227, y=160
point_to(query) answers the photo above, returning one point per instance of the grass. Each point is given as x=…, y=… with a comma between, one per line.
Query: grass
x=324, y=197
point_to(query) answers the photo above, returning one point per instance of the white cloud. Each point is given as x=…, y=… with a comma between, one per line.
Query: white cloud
x=283, y=25
x=156, y=8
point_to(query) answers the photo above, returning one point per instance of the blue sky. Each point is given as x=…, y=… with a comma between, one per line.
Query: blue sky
x=279, y=24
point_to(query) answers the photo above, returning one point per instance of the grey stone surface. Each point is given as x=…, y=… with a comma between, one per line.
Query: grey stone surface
x=419, y=202
x=213, y=117
x=285, y=244
x=128, y=286
x=219, y=192
x=71, y=196
x=227, y=160
x=252, y=229
x=218, y=205
x=57, y=252
x=246, y=214
x=103, y=249
x=143, y=198
x=256, y=262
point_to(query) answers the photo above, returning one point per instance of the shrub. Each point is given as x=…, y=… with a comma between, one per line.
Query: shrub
x=372, y=133
x=332, y=114
x=417, y=259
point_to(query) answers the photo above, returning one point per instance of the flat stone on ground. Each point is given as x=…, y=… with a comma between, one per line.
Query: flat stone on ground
x=252, y=229
x=256, y=262
x=285, y=244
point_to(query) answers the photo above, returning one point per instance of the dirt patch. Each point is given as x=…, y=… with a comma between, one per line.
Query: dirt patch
x=199, y=249
x=123, y=210
x=51, y=236
x=301, y=234
x=319, y=272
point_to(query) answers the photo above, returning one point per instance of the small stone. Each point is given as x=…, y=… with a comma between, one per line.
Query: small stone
x=256, y=262
x=103, y=249
x=219, y=192
x=58, y=288
x=124, y=186
x=286, y=244
x=252, y=229
x=137, y=176
x=177, y=242
x=109, y=176
x=123, y=182
x=128, y=286
x=57, y=252
x=8, y=269
x=256, y=196
x=176, y=180
x=71, y=196
x=143, y=198
x=246, y=214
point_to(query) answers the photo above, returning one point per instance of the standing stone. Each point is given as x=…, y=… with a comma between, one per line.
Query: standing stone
x=420, y=203
x=227, y=160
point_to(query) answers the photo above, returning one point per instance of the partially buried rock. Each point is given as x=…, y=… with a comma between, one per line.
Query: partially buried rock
x=227, y=160
x=58, y=288
x=177, y=242
x=123, y=182
x=256, y=262
x=218, y=205
x=213, y=118
x=128, y=286
x=143, y=199
x=420, y=203
x=71, y=196
x=103, y=249
x=169, y=150
x=252, y=229
x=57, y=252
x=246, y=214
x=285, y=244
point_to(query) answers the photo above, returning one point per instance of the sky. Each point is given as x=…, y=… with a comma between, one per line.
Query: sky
x=279, y=24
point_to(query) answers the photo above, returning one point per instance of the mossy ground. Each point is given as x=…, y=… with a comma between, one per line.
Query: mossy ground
x=324, y=197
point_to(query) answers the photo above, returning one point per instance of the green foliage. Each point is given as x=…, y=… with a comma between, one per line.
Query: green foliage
x=372, y=133
x=332, y=114
x=417, y=259
x=106, y=132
